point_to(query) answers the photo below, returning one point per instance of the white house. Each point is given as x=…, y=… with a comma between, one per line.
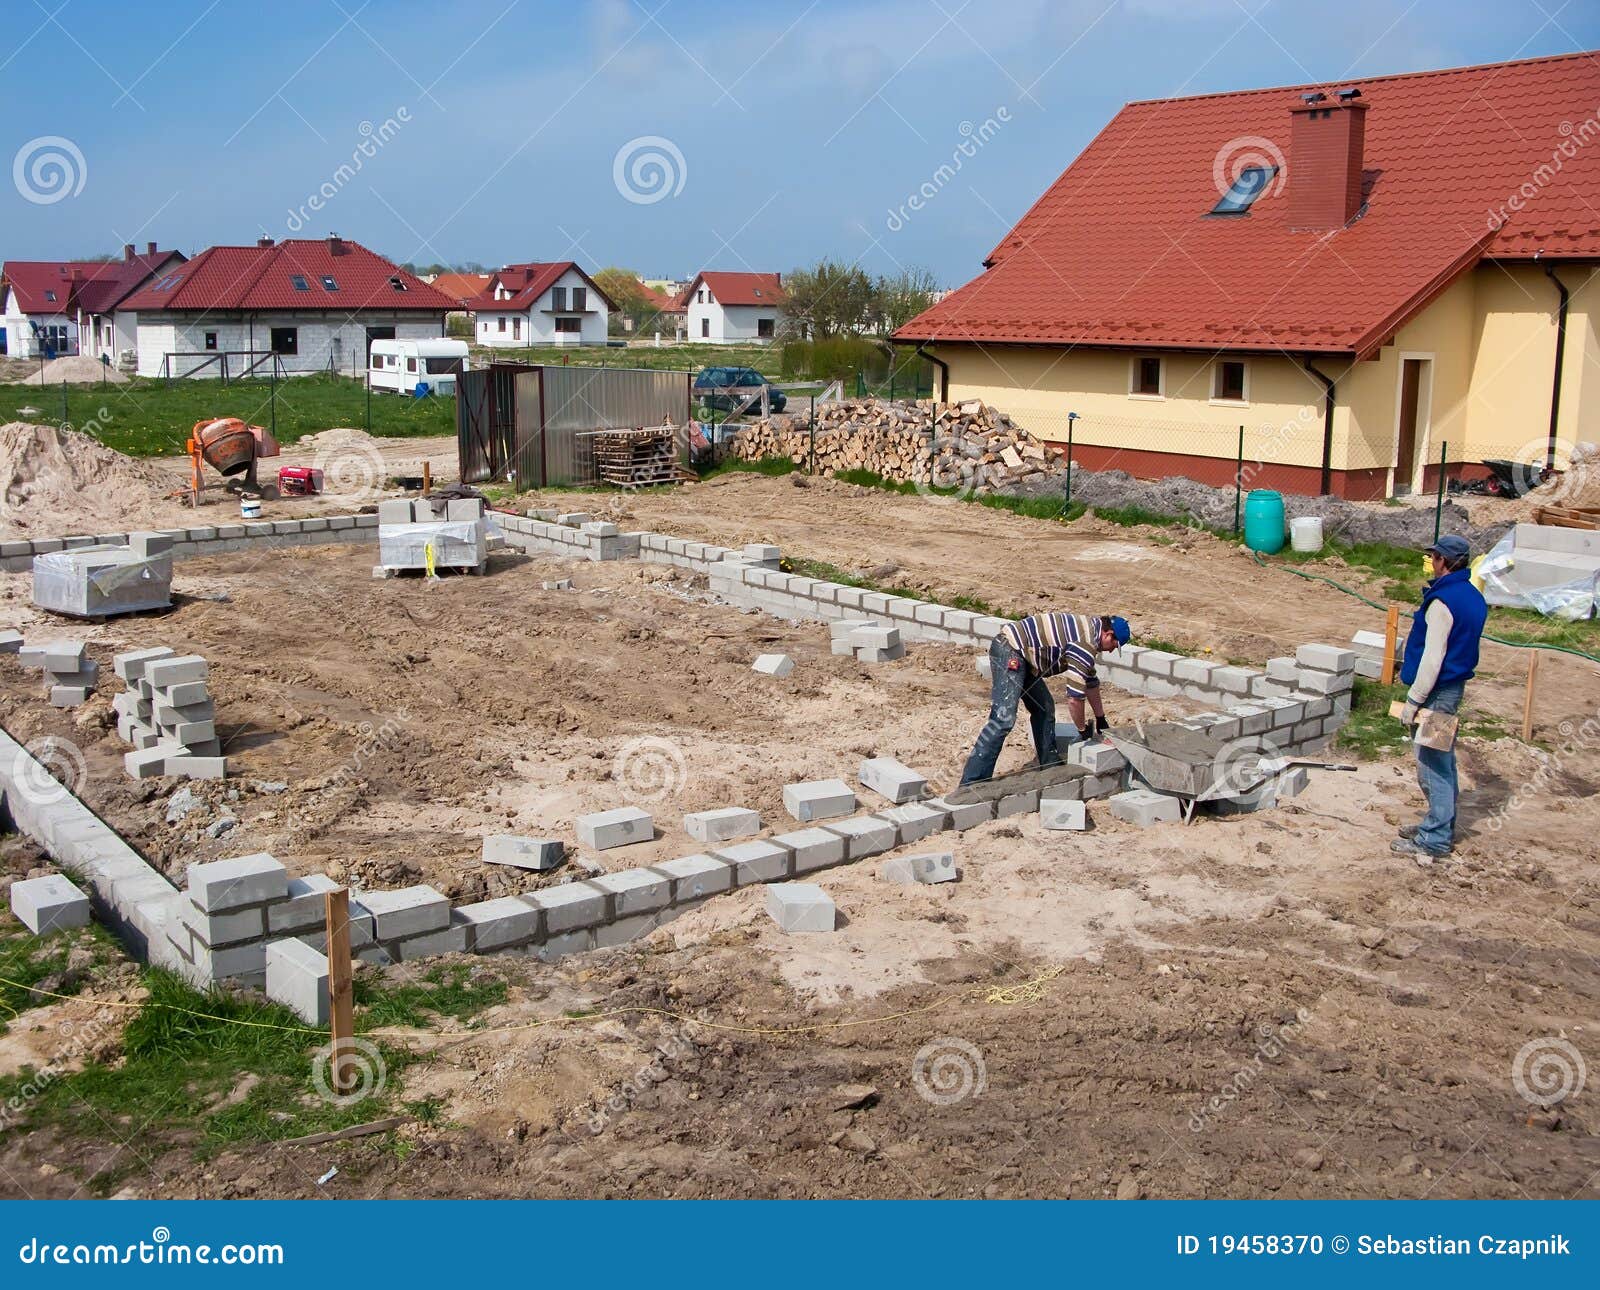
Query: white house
x=75, y=306
x=304, y=305
x=733, y=308
x=541, y=304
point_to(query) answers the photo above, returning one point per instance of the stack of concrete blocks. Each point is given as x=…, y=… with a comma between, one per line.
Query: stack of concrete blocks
x=573, y=535
x=69, y=674
x=453, y=528
x=218, y=930
x=867, y=641
x=1368, y=647
x=219, y=539
x=101, y=580
x=168, y=715
x=1548, y=558
x=49, y=904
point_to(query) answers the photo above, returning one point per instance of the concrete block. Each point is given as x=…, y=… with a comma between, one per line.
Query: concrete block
x=10, y=642
x=69, y=696
x=1326, y=658
x=893, y=779
x=1098, y=757
x=773, y=665
x=865, y=835
x=497, y=924
x=1292, y=782
x=605, y=830
x=395, y=511
x=1143, y=807
x=965, y=816
x=1283, y=670
x=760, y=553
x=871, y=654
x=408, y=912
x=145, y=762
x=812, y=849
x=634, y=891
x=176, y=670
x=1016, y=804
x=297, y=977
x=574, y=519
x=722, y=825
x=623, y=930
x=523, y=853
x=557, y=947
x=875, y=636
x=463, y=509
x=214, y=930
x=801, y=907
x=220, y=885
x=695, y=877
x=306, y=907
x=1327, y=683
x=756, y=861
x=818, y=799
x=914, y=821
x=570, y=906
x=985, y=668
x=196, y=767
x=1100, y=785
x=1369, y=668
x=449, y=940
x=187, y=695
x=49, y=904
x=1063, y=813
x=31, y=657
x=1232, y=680
x=931, y=867
x=63, y=656
x=841, y=628
x=148, y=545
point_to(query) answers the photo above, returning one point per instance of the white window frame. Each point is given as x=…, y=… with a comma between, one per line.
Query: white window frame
x=1134, y=392
x=1216, y=372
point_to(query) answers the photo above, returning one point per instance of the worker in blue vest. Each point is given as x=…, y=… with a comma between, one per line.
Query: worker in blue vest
x=1440, y=657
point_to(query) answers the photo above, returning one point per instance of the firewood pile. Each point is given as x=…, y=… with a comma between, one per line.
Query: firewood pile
x=962, y=445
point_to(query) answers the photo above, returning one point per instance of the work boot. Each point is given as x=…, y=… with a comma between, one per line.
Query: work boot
x=1422, y=855
x=1409, y=831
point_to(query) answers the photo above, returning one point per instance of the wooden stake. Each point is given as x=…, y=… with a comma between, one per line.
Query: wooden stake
x=1527, y=698
x=427, y=478
x=341, y=990
x=1391, y=640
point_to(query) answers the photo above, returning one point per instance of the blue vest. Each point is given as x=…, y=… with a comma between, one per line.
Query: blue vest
x=1468, y=612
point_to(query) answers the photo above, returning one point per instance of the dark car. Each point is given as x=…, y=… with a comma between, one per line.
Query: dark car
x=726, y=388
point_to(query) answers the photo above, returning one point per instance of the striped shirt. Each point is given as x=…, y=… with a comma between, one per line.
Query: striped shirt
x=1056, y=644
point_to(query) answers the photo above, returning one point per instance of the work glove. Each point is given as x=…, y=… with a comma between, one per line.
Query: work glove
x=1101, y=726
x=1408, y=714
x=1086, y=733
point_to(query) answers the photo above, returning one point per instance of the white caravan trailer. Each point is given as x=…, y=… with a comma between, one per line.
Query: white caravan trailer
x=402, y=365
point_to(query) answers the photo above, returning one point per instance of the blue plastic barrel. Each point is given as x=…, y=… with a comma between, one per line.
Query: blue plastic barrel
x=1263, y=520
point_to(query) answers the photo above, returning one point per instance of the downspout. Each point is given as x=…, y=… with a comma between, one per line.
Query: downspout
x=944, y=373
x=1329, y=401
x=1561, y=350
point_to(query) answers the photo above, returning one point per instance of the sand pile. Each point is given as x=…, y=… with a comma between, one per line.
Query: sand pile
x=338, y=439
x=75, y=369
x=1577, y=485
x=56, y=482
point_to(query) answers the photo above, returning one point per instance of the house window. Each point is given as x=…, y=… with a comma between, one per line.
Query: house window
x=1228, y=382
x=285, y=340
x=580, y=299
x=569, y=324
x=558, y=298
x=502, y=322
x=50, y=296
x=516, y=328
x=1242, y=193
x=1146, y=379
x=705, y=326
x=298, y=282
x=764, y=328
x=211, y=340
x=701, y=295
x=328, y=284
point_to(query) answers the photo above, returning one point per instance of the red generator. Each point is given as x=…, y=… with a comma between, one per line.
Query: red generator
x=299, y=481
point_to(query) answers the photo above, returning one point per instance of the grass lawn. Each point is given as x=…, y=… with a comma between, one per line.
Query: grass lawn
x=148, y=418
x=766, y=359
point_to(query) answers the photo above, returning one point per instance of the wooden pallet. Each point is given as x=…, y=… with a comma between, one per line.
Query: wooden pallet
x=1568, y=517
x=638, y=458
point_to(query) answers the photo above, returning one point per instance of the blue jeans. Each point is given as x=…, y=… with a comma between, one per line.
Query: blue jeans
x=1011, y=681
x=1436, y=773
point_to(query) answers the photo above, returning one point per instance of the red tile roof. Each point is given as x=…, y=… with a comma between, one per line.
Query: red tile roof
x=87, y=286
x=234, y=278
x=526, y=283
x=460, y=287
x=737, y=288
x=1119, y=250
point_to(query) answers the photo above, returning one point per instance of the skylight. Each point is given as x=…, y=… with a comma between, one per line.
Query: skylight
x=1250, y=183
x=49, y=295
x=328, y=284
x=298, y=282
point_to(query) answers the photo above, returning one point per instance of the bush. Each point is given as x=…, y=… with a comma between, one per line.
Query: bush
x=834, y=359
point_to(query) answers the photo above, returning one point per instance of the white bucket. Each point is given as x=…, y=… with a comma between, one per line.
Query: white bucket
x=250, y=508
x=1305, y=533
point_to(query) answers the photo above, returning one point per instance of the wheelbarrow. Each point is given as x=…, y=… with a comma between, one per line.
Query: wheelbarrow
x=1196, y=767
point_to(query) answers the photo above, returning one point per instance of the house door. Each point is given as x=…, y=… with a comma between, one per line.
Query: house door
x=1405, y=459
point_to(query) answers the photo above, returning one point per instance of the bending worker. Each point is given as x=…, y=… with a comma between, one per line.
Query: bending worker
x=1022, y=655
x=1441, y=656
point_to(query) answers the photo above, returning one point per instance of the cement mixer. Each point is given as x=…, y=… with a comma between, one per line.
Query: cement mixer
x=231, y=447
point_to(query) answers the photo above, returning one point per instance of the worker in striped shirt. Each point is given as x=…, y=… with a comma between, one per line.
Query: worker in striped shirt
x=1023, y=654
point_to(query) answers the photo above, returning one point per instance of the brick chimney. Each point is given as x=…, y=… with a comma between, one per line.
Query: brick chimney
x=1325, y=155
x=149, y=248
x=264, y=241
x=335, y=244
x=127, y=251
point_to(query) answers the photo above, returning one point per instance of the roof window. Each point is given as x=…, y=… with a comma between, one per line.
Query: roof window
x=1248, y=185
x=298, y=282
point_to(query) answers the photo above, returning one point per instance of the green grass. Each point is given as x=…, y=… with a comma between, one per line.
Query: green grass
x=1135, y=516
x=1371, y=733
x=766, y=359
x=440, y=993
x=147, y=418
x=27, y=959
x=773, y=466
x=826, y=572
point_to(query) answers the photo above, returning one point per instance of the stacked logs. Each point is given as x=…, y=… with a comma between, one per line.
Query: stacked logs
x=967, y=446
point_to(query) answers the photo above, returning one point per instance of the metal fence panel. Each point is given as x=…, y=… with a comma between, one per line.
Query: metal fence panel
x=580, y=400
x=527, y=464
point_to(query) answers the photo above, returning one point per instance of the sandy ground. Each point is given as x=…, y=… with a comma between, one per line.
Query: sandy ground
x=1271, y=1004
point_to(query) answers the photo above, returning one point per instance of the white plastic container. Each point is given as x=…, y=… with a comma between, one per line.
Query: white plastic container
x=1305, y=533
x=250, y=508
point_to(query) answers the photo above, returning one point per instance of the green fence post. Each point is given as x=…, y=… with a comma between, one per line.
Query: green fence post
x=1438, y=505
x=812, y=469
x=369, y=400
x=1238, y=481
x=1066, y=501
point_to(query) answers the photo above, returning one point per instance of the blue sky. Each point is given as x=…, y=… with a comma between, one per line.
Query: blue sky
x=492, y=129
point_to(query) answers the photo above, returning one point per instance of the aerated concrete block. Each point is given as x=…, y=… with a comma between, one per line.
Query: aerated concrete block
x=145, y=762
x=605, y=830
x=634, y=891
x=49, y=904
x=756, y=861
x=965, y=816
x=1283, y=670
x=10, y=642
x=779, y=665
x=395, y=511
x=408, y=912
x=1325, y=658
x=196, y=766
x=63, y=656
x=221, y=885
x=69, y=696
x=1144, y=807
x=523, y=853
x=914, y=821
x=147, y=545
x=722, y=825
x=1326, y=683
x=305, y=909
x=1016, y=804
x=932, y=867
x=1097, y=757
x=801, y=907
x=569, y=907
x=893, y=779
x=447, y=940
x=297, y=977
x=175, y=671
x=864, y=835
x=496, y=924
x=812, y=848
x=695, y=877
x=818, y=799
x=1063, y=813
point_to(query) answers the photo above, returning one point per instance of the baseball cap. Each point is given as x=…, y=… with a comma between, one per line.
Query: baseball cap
x=1120, y=629
x=1450, y=547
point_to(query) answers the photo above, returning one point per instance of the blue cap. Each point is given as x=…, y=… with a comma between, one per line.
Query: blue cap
x=1451, y=547
x=1120, y=629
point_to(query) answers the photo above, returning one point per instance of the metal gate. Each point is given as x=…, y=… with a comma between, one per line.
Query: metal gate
x=486, y=410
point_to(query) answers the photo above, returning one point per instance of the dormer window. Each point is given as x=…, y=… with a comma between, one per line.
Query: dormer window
x=1248, y=185
x=50, y=295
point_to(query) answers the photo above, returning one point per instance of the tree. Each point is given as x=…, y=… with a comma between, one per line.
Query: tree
x=828, y=299
x=631, y=297
x=900, y=297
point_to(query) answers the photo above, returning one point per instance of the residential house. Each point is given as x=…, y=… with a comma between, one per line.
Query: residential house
x=1365, y=276
x=305, y=305
x=541, y=304
x=75, y=306
x=733, y=308
x=460, y=287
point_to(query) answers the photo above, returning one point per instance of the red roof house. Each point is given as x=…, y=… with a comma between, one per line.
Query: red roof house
x=1361, y=272
x=541, y=303
x=71, y=305
x=733, y=308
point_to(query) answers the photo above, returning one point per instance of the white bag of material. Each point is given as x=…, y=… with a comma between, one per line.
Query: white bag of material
x=454, y=544
x=96, y=581
x=1496, y=576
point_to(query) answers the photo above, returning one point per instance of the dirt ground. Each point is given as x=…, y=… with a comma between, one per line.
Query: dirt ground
x=1270, y=1004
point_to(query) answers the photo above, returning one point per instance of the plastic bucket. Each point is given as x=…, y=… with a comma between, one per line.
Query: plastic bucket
x=250, y=508
x=1305, y=533
x=1263, y=521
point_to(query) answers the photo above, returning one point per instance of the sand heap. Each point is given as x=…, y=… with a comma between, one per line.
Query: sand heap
x=1577, y=485
x=56, y=482
x=76, y=369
